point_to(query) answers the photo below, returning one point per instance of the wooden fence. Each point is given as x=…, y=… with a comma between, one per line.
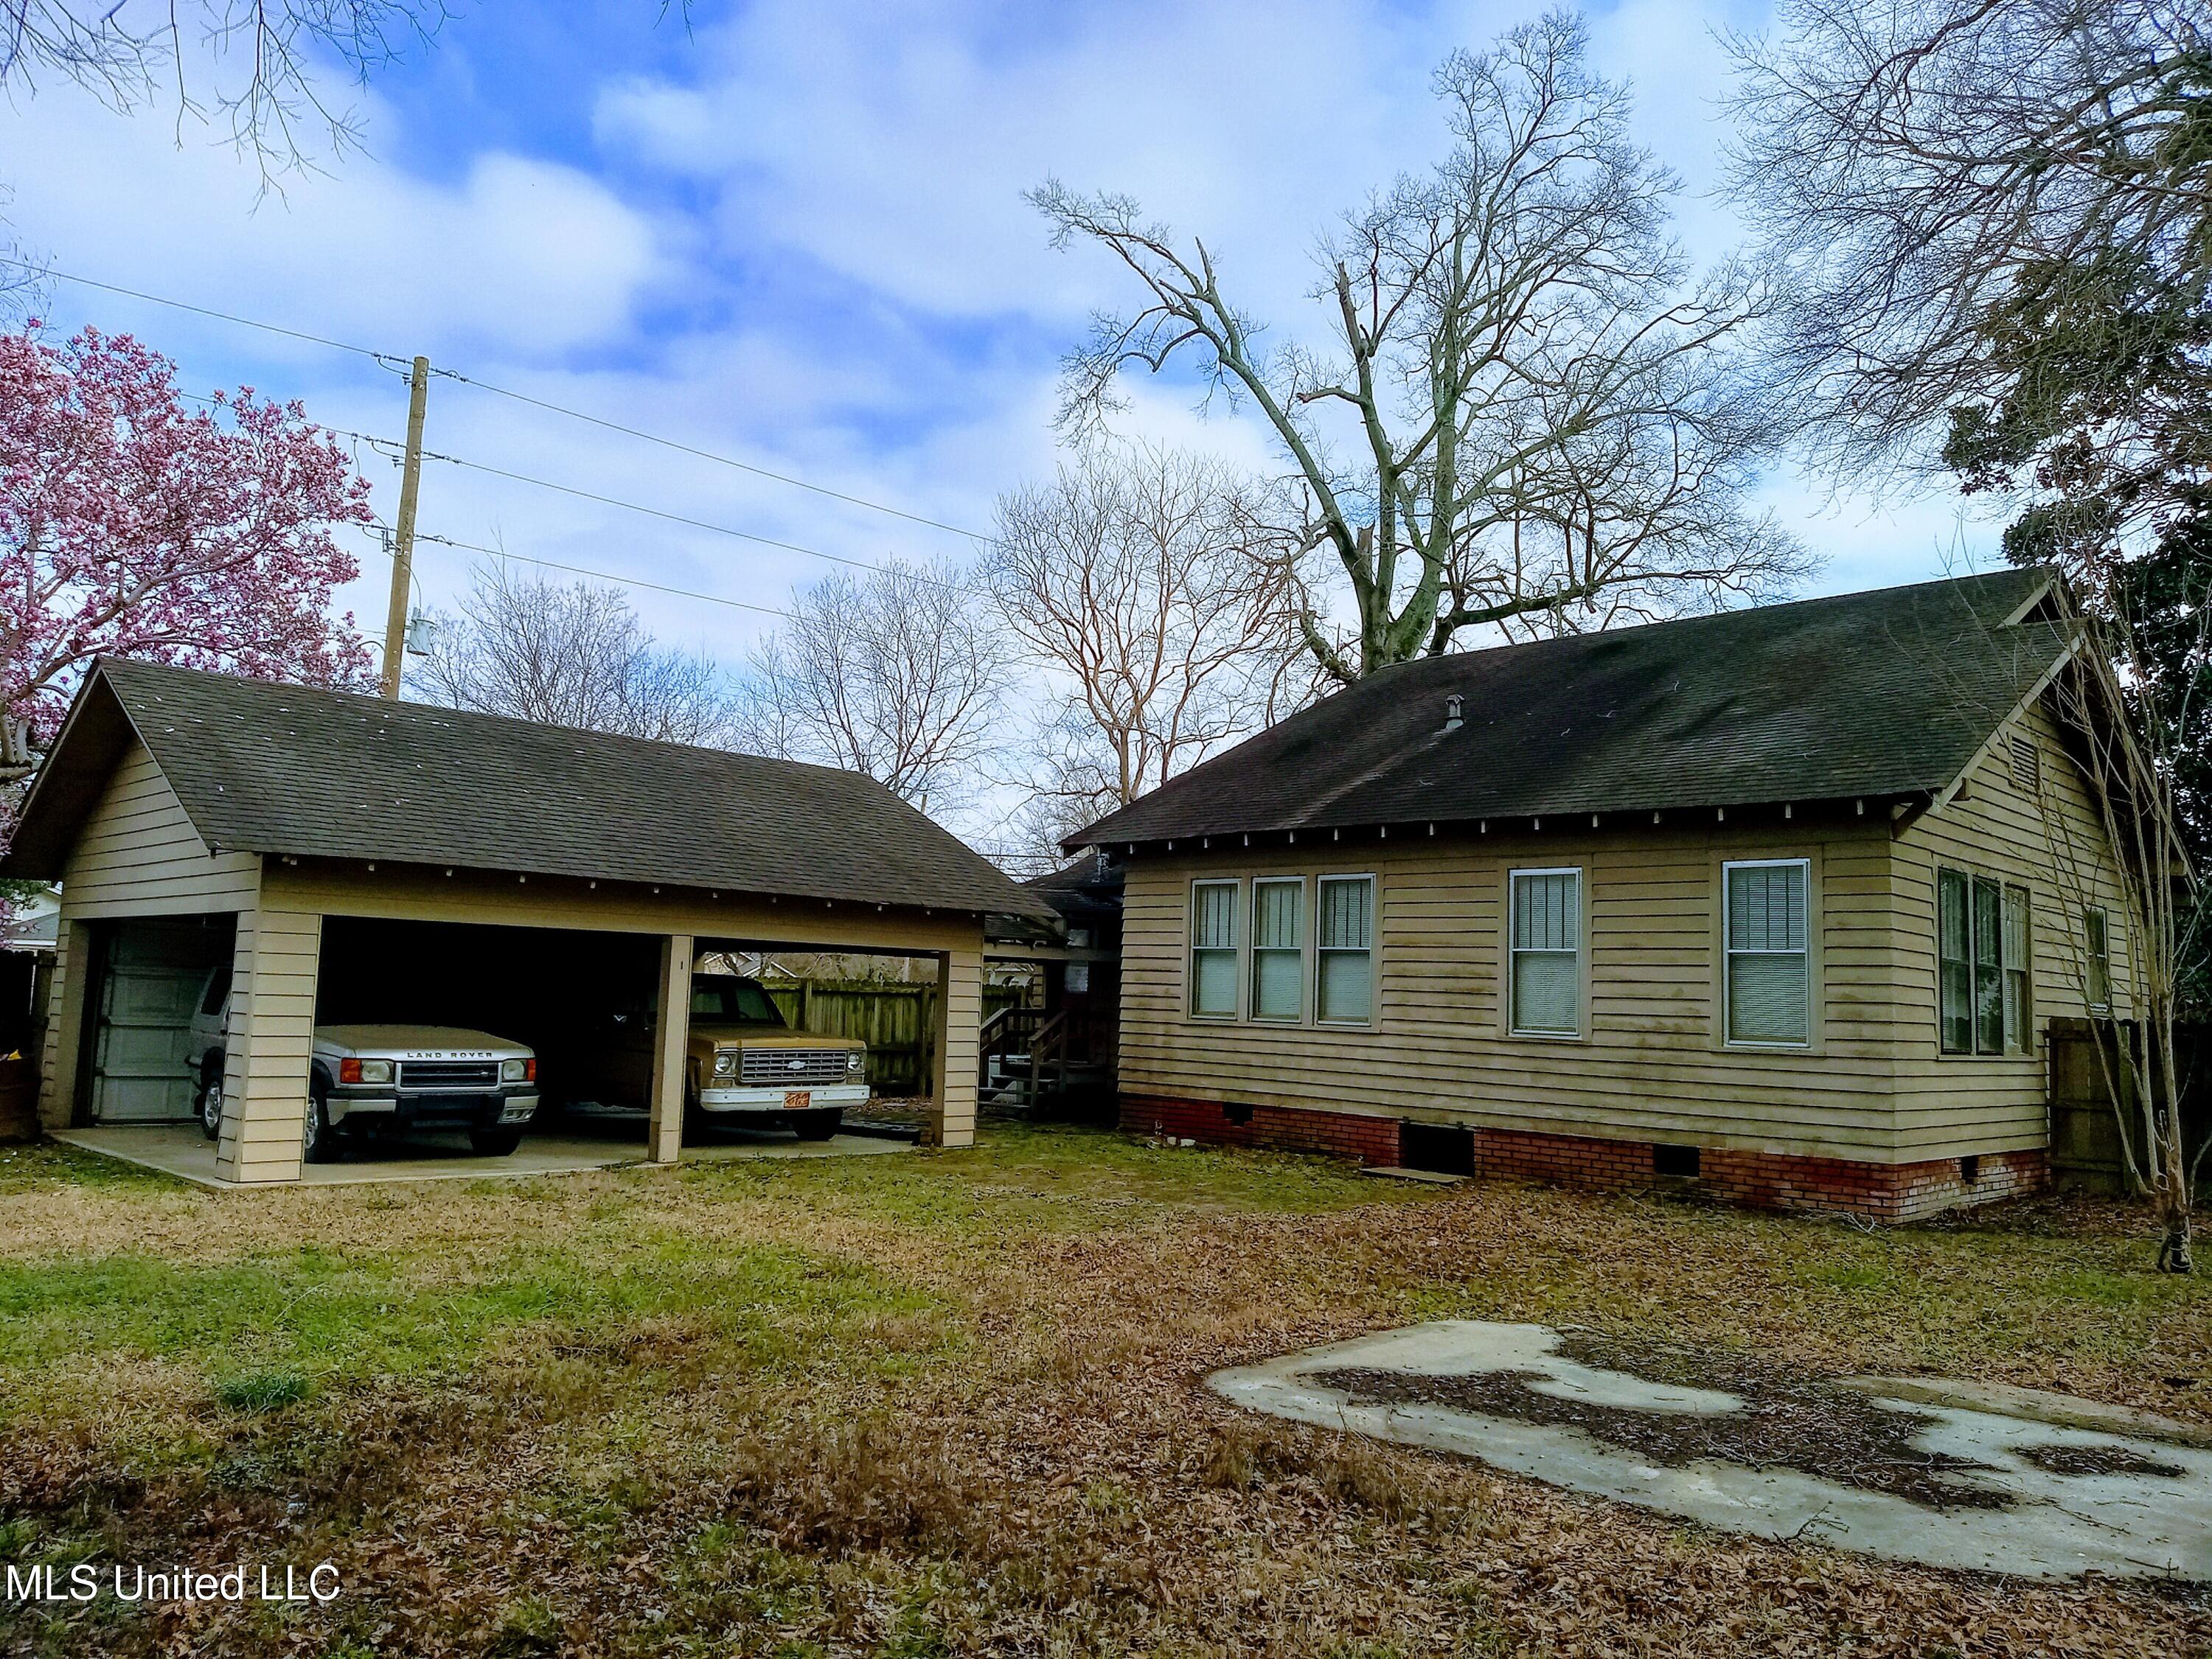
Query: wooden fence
x=2085, y=1139
x=895, y=1019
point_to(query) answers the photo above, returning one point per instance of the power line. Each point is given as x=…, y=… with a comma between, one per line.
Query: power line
x=599, y=575
x=397, y=363
x=709, y=455
x=386, y=358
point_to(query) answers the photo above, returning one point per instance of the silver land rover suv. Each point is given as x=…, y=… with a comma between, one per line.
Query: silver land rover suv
x=383, y=1077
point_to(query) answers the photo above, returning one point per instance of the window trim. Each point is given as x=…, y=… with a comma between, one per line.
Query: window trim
x=1374, y=950
x=1975, y=881
x=1728, y=954
x=2102, y=952
x=1511, y=1010
x=1253, y=951
x=1235, y=948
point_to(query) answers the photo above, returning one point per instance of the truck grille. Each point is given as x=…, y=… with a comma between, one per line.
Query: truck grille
x=793, y=1068
x=449, y=1075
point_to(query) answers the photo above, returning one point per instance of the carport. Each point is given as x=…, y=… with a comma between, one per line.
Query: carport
x=338, y=849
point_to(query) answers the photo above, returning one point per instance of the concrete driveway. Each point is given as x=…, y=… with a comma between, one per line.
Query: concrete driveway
x=180, y=1149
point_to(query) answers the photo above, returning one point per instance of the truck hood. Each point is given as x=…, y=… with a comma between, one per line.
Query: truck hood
x=417, y=1043
x=759, y=1036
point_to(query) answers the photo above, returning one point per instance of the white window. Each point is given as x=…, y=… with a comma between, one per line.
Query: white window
x=1278, y=956
x=1547, y=934
x=1769, y=966
x=2100, y=962
x=1213, y=949
x=1984, y=993
x=1343, y=940
x=2019, y=1007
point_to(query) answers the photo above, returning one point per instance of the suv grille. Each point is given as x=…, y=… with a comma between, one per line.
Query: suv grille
x=793, y=1068
x=449, y=1074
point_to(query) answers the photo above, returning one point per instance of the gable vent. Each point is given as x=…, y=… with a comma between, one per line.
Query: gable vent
x=2026, y=765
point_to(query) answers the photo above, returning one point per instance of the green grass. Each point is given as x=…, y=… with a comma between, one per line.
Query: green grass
x=44, y=1164
x=329, y=1314
x=262, y=1391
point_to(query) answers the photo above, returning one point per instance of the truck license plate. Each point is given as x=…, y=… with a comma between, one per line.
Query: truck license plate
x=798, y=1100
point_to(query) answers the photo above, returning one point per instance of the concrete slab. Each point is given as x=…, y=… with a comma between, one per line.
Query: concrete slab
x=2136, y=1506
x=180, y=1150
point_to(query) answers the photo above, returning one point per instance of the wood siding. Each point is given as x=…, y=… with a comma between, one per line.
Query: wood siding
x=139, y=856
x=270, y=1046
x=1651, y=1063
x=1950, y=1104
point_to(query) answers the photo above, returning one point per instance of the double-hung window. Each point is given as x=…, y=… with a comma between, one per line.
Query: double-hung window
x=1278, y=958
x=1344, y=950
x=1546, y=950
x=1769, y=962
x=1213, y=949
x=1982, y=985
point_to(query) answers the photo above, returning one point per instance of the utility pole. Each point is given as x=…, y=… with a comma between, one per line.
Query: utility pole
x=403, y=542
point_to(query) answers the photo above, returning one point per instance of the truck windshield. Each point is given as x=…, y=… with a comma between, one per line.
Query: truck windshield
x=732, y=1002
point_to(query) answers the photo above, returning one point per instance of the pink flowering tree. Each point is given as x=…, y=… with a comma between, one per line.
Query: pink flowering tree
x=134, y=524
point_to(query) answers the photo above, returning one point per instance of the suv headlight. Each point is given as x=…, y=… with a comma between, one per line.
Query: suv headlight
x=517, y=1071
x=376, y=1070
x=726, y=1062
x=855, y=1061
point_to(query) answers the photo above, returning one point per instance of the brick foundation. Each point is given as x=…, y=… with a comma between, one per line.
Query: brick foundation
x=1765, y=1181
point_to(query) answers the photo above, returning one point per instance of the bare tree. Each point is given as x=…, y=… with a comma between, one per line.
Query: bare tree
x=1143, y=580
x=262, y=58
x=2127, y=855
x=899, y=673
x=575, y=655
x=1919, y=166
x=1500, y=331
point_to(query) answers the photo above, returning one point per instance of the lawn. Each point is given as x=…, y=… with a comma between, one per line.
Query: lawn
x=948, y=1403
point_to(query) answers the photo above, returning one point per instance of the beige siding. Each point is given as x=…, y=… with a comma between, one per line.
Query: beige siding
x=1950, y=1104
x=139, y=854
x=270, y=1045
x=960, y=1016
x=1651, y=1063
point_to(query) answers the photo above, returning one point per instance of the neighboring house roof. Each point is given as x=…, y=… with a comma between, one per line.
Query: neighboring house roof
x=1887, y=694
x=34, y=924
x=266, y=767
x=1086, y=891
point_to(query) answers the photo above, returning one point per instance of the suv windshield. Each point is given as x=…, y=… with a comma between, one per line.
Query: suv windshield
x=727, y=1001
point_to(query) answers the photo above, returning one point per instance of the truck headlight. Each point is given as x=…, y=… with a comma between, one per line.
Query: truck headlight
x=726, y=1062
x=855, y=1061
x=517, y=1071
x=376, y=1070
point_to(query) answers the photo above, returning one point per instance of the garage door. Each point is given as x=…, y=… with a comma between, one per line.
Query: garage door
x=147, y=993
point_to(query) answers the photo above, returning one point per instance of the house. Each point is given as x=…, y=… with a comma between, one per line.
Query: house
x=1059, y=1044
x=1765, y=900
x=358, y=860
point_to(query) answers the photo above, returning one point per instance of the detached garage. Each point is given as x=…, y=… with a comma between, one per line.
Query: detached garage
x=349, y=858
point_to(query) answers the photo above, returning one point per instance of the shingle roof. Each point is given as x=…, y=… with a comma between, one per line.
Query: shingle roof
x=283, y=768
x=1887, y=694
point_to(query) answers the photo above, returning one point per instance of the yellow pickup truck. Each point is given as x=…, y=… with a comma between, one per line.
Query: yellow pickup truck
x=743, y=1065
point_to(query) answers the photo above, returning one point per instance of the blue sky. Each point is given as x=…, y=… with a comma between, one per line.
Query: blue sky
x=794, y=233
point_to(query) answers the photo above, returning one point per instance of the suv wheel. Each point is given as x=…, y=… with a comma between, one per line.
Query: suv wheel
x=210, y=1100
x=495, y=1140
x=319, y=1142
x=817, y=1126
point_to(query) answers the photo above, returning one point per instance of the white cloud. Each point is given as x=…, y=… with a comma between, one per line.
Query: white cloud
x=517, y=254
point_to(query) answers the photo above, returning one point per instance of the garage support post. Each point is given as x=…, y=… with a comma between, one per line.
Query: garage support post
x=959, y=1021
x=65, y=1017
x=269, y=1048
x=671, y=1033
